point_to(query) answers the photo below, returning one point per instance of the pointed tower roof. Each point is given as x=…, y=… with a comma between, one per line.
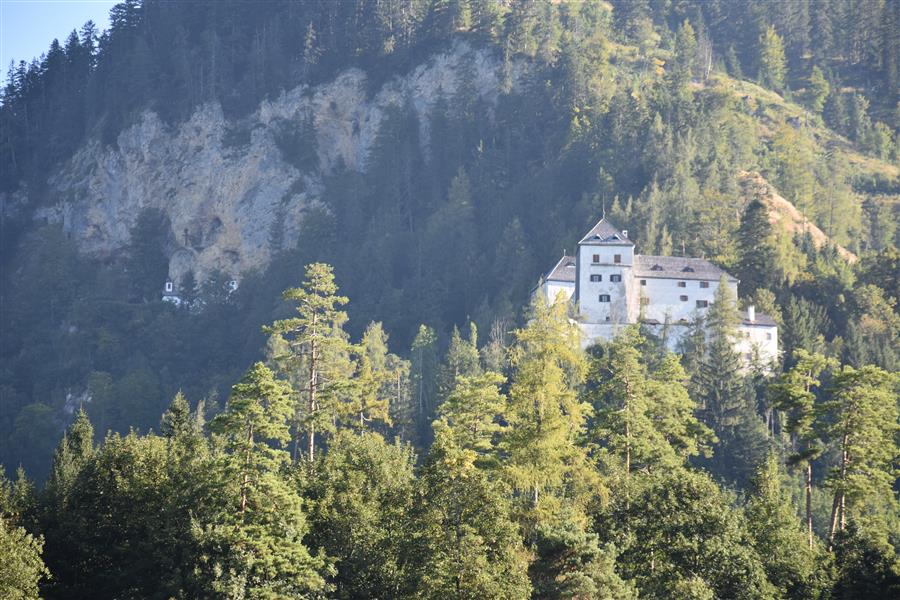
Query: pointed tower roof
x=606, y=234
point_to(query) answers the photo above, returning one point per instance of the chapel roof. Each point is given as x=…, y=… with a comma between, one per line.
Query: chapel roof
x=677, y=267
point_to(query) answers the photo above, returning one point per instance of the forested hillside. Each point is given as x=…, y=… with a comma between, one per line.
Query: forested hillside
x=443, y=437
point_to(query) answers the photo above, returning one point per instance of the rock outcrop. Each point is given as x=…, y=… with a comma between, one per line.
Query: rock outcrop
x=227, y=185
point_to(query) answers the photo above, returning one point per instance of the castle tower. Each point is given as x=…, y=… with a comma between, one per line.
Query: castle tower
x=604, y=281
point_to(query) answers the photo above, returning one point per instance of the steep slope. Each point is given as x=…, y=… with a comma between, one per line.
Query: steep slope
x=784, y=214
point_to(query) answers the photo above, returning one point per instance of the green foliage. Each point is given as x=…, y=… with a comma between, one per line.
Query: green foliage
x=678, y=531
x=756, y=255
x=465, y=545
x=360, y=494
x=571, y=563
x=727, y=406
x=818, y=90
x=646, y=419
x=317, y=347
x=865, y=569
x=148, y=265
x=772, y=63
x=860, y=421
x=257, y=550
x=542, y=460
x=791, y=562
x=470, y=417
x=21, y=567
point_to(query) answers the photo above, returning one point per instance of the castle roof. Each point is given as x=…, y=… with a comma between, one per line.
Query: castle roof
x=677, y=267
x=759, y=320
x=563, y=271
x=606, y=234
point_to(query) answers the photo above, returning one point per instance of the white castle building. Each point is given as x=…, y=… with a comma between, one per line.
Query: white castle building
x=612, y=287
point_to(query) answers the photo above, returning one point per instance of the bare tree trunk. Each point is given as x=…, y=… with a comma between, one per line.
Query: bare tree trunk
x=838, y=507
x=313, y=385
x=809, y=524
x=245, y=478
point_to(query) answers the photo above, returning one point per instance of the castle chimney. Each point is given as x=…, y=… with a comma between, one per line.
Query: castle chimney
x=751, y=313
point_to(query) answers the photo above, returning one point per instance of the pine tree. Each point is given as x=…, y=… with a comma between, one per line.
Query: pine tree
x=756, y=257
x=319, y=348
x=860, y=419
x=423, y=368
x=794, y=395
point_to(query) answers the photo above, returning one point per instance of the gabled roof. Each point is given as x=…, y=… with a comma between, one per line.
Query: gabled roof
x=563, y=271
x=604, y=233
x=677, y=267
x=760, y=320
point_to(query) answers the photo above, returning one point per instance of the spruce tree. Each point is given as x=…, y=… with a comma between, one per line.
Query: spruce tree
x=471, y=416
x=756, y=255
x=727, y=406
x=258, y=550
x=772, y=62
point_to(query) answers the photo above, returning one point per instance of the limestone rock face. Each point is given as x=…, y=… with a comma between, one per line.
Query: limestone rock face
x=227, y=186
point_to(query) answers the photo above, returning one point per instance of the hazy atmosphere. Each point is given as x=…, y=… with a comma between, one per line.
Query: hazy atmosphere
x=470, y=299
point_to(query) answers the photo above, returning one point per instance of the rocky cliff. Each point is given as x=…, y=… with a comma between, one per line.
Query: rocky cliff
x=225, y=185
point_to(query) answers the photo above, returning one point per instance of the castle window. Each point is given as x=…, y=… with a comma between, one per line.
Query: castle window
x=656, y=268
x=596, y=259
x=169, y=286
x=596, y=278
x=617, y=258
x=682, y=284
x=643, y=282
x=604, y=297
x=683, y=298
x=615, y=278
x=768, y=336
x=688, y=269
x=702, y=303
x=704, y=284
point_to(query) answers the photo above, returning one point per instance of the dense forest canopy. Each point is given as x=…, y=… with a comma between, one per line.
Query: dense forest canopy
x=405, y=424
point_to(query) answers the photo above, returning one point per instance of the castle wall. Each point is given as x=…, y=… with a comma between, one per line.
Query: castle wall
x=664, y=298
x=551, y=289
